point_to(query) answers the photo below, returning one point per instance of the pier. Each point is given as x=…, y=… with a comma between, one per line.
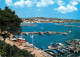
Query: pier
x=68, y=25
x=28, y=25
x=47, y=32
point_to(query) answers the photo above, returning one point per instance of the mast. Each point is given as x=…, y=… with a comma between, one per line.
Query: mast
x=32, y=41
x=70, y=32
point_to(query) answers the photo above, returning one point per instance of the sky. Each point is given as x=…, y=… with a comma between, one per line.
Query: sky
x=65, y=9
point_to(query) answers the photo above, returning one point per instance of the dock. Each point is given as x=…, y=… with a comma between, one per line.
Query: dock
x=47, y=32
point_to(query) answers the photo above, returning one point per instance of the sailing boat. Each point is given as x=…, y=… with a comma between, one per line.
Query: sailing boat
x=72, y=41
x=51, y=46
x=32, y=41
x=69, y=41
x=21, y=38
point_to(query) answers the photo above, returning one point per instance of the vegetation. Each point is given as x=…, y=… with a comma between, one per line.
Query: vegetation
x=7, y=50
x=9, y=21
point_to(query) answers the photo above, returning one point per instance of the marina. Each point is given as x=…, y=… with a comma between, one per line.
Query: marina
x=61, y=47
x=39, y=28
x=73, y=48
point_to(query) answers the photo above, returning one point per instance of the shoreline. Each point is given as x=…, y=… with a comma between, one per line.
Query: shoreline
x=50, y=22
x=35, y=50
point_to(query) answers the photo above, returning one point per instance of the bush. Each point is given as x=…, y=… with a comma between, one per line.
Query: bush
x=7, y=50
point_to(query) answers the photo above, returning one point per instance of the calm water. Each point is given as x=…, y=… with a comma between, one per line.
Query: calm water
x=46, y=40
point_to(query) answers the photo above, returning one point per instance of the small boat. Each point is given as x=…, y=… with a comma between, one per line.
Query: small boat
x=54, y=33
x=52, y=46
x=43, y=48
x=40, y=33
x=50, y=53
x=26, y=33
x=49, y=33
x=55, y=52
x=14, y=39
x=65, y=50
x=61, y=45
x=70, y=42
x=65, y=33
x=61, y=51
x=21, y=38
x=70, y=31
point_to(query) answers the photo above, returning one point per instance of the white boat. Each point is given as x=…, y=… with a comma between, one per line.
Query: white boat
x=21, y=38
x=13, y=39
x=69, y=31
x=51, y=46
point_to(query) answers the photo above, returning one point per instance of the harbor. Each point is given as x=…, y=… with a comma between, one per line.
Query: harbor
x=43, y=42
x=40, y=28
x=61, y=49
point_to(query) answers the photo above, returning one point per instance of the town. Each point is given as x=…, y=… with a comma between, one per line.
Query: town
x=48, y=20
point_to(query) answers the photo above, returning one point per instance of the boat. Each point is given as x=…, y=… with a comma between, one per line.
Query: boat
x=14, y=39
x=49, y=33
x=21, y=38
x=49, y=52
x=61, y=45
x=64, y=33
x=61, y=51
x=70, y=31
x=55, y=52
x=40, y=33
x=54, y=33
x=52, y=46
x=65, y=50
x=26, y=33
x=70, y=42
x=43, y=48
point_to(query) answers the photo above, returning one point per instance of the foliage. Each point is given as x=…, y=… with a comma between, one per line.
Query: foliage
x=9, y=21
x=7, y=50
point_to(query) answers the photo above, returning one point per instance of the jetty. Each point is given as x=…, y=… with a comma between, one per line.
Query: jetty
x=47, y=32
x=68, y=25
x=28, y=25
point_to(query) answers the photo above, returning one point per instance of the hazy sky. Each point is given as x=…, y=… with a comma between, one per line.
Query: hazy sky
x=68, y=9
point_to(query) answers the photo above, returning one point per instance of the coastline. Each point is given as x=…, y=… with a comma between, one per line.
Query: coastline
x=33, y=51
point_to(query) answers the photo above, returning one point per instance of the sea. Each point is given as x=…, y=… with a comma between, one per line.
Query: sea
x=45, y=40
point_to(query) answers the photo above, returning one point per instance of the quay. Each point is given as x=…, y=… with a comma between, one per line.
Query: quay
x=47, y=32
